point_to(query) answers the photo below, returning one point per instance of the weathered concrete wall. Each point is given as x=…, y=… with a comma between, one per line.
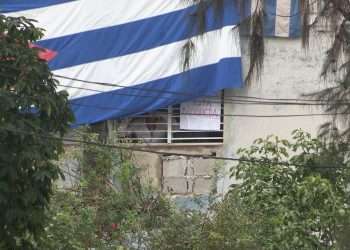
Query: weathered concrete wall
x=289, y=73
x=185, y=176
x=180, y=175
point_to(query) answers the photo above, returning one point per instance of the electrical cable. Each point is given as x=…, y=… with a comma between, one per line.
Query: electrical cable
x=220, y=100
x=216, y=114
x=271, y=101
x=223, y=115
x=227, y=97
x=163, y=153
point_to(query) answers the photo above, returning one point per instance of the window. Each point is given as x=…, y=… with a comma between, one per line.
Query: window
x=164, y=127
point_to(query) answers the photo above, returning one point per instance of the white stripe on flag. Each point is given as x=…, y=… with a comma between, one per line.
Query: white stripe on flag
x=74, y=17
x=255, y=6
x=150, y=65
x=283, y=10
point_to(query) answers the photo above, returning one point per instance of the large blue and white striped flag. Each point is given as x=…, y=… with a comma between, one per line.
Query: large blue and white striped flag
x=136, y=46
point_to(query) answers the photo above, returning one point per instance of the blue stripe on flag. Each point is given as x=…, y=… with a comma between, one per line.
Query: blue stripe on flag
x=295, y=19
x=203, y=81
x=270, y=17
x=115, y=41
x=246, y=9
x=20, y=5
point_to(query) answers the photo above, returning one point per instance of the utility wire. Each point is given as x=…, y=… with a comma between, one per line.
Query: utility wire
x=163, y=153
x=172, y=92
x=213, y=114
x=236, y=100
x=223, y=115
x=273, y=101
x=133, y=148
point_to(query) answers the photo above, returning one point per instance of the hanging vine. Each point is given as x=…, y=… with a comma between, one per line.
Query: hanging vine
x=333, y=14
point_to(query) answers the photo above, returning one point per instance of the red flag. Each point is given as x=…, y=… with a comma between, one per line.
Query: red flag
x=44, y=54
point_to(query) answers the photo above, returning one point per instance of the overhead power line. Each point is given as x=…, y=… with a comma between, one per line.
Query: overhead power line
x=213, y=114
x=222, y=115
x=227, y=98
x=239, y=100
x=236, y=100
x=163, y=153
x=130, y=148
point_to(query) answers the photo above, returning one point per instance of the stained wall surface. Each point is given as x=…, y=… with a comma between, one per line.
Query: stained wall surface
x=289, y=73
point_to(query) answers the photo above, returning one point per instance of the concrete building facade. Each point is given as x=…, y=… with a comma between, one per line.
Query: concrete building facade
x=289, y=73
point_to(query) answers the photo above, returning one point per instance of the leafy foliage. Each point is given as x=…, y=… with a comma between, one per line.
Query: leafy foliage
x=293, y=195
x=107, y=206
x=30, y=112
x=229, y=227
x=298, y=194
x=181, y=230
